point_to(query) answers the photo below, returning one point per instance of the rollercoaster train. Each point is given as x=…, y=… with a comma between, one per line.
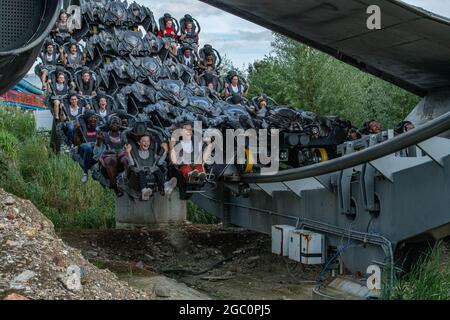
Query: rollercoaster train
x=119, y=62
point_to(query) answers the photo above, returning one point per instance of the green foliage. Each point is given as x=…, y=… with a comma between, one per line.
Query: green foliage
x=53, y=183
x=17, y=122
x=302, y=77
x=197, y=215
x=429, y=278
x=9, y=144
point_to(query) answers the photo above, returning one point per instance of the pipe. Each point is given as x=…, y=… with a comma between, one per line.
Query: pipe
x=375, y=239
x=425, y=132
x=371, y=238
x=269, y=212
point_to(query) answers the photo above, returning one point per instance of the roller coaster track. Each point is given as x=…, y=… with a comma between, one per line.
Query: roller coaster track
x=427, y=131
x=398, y=53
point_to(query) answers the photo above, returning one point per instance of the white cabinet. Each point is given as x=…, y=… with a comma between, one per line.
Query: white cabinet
x=280, y=239
x=306, y=247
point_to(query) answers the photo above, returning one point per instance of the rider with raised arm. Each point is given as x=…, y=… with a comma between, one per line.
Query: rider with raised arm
x=191, y=168
x=148, y=168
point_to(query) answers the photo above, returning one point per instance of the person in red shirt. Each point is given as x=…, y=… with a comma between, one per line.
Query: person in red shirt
x=193, y=171
x=169, y=29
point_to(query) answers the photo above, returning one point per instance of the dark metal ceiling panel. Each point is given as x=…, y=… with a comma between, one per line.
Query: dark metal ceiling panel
x=412, y=50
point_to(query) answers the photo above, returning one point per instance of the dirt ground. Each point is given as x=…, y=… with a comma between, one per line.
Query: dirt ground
x=197, y=262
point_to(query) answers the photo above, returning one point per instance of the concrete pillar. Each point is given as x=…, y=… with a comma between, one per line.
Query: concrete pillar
x=224, y=196
x=158, y=211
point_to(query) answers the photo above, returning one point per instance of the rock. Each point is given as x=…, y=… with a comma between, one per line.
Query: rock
x=83, y=275
x=140, y=265
x=59, y=261
x=91, y=254
x=25, y=276
x=254, y=258
x=236, y=269
x=29, y=242
x=149, y=257
x=30, y=232
x=161, y=292
x=71, y=280
x=9, y=201
x=11, y=215
x=15, y=297
x=17, y=286
x=3, y=286
x=10, y=243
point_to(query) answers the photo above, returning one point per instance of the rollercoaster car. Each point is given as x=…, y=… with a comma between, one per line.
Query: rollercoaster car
x=149, y=84
x=306, y=138
x=129, y=181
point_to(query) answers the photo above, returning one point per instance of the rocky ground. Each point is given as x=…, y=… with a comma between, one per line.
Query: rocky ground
x=197, y=262
x=185, y=262
x=36, y=264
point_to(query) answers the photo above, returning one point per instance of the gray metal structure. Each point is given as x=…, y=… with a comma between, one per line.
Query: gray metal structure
x=372, y=210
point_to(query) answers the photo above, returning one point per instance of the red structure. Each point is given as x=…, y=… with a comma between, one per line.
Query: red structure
x=23, y=99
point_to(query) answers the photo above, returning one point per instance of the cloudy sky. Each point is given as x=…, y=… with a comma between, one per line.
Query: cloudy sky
x=241, y=41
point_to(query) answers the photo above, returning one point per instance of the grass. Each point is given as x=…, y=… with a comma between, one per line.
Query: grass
x=197, y=215
x=30, y=170
x=429, y=278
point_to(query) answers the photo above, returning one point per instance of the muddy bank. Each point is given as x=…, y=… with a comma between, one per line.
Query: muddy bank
x=207, y=261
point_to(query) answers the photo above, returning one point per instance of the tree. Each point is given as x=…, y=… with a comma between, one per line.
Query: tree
x=302, y=77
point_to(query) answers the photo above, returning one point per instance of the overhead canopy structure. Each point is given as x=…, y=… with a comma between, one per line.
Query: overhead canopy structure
x=411, y=50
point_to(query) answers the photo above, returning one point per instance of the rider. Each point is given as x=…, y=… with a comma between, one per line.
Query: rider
x=62, y=28
x=262, y=103
x=208, y=58
x=188, y=58
x=74, y=59
x=60, y=89
x=115, y=159
x=149, y=167
x=404, y=127
x=371, y=127
x=90, y=141
x=87, y=85
x=235, y=87
x=103, y=111
x=50, y=59
x=169, y=29
x=192, y=169
x=75, y=109
x=188, y=33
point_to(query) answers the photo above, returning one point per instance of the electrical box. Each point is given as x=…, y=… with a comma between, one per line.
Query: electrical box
x=306, y=247
x=313, y=245
x=43, y=120
x=280, y=239
x=295, y=245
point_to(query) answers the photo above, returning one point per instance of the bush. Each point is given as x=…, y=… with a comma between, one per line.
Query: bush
x=429, y=278
x=9, y=144
x=197, y=215
x=53, y=183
